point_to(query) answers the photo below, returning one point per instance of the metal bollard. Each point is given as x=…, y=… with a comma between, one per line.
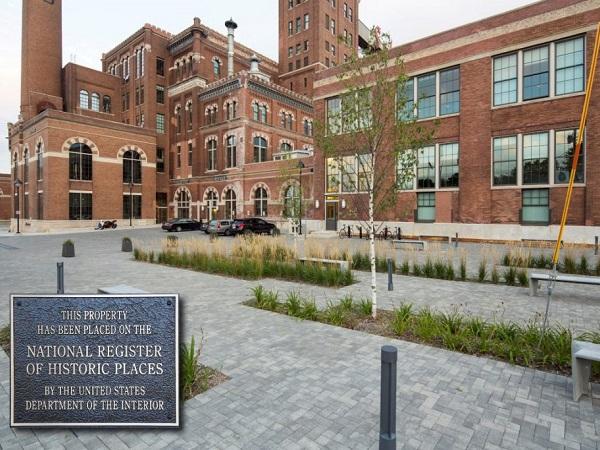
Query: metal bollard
x=596, y=247
x=456, y=241
x=60, y=278
x=360, y=232
x=385, y=231
x=349, y=231
x=387, y=428
x=399, y=233
x=389, y=270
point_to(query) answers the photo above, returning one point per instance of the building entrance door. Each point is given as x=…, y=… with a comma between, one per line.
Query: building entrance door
x=331, y=215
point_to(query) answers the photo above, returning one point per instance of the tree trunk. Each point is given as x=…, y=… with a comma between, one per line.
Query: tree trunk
x=372, y=247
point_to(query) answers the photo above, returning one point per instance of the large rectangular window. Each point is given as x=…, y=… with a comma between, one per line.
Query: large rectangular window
x=505, y=79
x=132, y=206
x=536, y=73
x=536, y=206
x=160, y=123
x=426, y=207
x=426, y=168
x=349, y=178
x=80, y=206
x=333, y=175
x=570, y=66
x=426, y=93
x=564, y=150
x=365, y=170
x=449, y=165
x=334, y=115
x=160, y=94
x=450, y=91
x=160, y=160
x=505, y=161
x=406, y=100
x=536, y=149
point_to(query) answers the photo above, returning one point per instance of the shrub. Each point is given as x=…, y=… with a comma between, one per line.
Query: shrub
x=495, y=275
x=366, y=307
x=428, y=269
x=188, y=367
x=510, y=276
x=347, y=303
x=405, y=268
x=463, y=268
x=417, y=271
x=584, y=266
x=293, y=304
x=523, y=278
x=482, y=273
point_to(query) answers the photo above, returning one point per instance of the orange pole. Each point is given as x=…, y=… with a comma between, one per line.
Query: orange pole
x=582, y=124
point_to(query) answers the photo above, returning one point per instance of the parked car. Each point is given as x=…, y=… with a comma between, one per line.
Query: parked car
x=253, y=225
x=181, y=225
x=221, y=227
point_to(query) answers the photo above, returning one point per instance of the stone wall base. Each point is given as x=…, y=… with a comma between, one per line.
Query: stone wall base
x=49, y=226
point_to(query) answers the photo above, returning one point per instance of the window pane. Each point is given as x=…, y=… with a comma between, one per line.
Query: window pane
x=426, y=168
x=426, y=207
x=535, y=206
x=535, y=158
x=333, y=175
x=570, y=66
x=426, y=96
x=505, y=79
x=349, y=180
x=406, y=101
x=563, y=162
x=536, y=66
x=505, y=161
x=450, y=91
x=448, y=165
x=334, y=119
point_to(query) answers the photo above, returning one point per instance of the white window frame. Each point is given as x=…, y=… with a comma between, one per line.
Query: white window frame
x=437, y=187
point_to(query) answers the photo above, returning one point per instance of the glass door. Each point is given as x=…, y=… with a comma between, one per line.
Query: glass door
x=331, y=215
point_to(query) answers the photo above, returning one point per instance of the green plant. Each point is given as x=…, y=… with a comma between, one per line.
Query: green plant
x=401, y=319
x=68, y=242
x=5, y=338
x=293, y=304
x=347, y=303
x=188, y=367
x=463, y=268
x=523, y=278
x=440, y=270
x=450, y=275
x=405, y=268
x=428, y=269
x=451, y=322
x=366, y=306
x=584, y=266
x=334, y=314
x=510, y=276
x=309, y=310
x=495, y=276
x=506, y=259
x=569, y=265
x=417, y=271
x=259, y=294
x=271, y=301
x=482, y=273
x=426, y=325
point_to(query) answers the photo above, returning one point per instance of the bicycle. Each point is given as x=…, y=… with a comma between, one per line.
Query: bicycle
x=345, y=232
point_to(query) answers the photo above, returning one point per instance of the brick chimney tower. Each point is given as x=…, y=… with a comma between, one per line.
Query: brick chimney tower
x=41, y=57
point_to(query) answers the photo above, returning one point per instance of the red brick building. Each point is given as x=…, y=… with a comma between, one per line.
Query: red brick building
x=507, y=91
x=196, y=124
x=5, y=196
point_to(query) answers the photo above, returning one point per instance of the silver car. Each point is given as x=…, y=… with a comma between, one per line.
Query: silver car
x=220, y=227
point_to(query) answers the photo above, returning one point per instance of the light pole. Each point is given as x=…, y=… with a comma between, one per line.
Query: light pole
x=18, y=184
x=300, y=166
x=131, y=202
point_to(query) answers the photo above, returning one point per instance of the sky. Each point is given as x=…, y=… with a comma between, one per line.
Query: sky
x=93, y=27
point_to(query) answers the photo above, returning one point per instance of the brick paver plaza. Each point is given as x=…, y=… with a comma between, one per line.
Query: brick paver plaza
x=296, y=384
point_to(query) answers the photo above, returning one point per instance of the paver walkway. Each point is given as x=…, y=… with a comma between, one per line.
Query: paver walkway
x=299, y=384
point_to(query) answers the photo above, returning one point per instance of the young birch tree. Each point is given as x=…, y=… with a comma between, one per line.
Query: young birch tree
x=370, y=137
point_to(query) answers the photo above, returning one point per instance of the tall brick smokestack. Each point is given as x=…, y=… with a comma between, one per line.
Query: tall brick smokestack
x=41, y=57
x=231, y=27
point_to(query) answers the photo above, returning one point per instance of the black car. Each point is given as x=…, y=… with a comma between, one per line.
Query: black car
x=181, y=225
x=256, y=226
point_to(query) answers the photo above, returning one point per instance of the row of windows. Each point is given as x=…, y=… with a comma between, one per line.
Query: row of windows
x=437, y=167
x=299, y=48
x=526, y=159
x=349, y=174
x=300, y=25
x=81, y=206
x=39, y=164
x=422, y=100
x=526, y=75
x=80, y=164
x=123, y=69
x=93, y=102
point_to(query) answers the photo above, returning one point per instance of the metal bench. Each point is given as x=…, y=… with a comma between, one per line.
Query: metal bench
x=120, y=289
x=535, y=278
x=344, y=265
x=582, y=356
x=399, y=243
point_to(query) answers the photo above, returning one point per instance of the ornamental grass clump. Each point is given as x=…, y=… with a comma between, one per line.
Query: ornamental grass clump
x=293, y=304
x=523, y=277
x=510, y=276
x=405, y=268
x=584, y=266
x=463, y=266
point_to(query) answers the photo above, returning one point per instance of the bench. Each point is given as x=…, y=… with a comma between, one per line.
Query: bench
x=344, y=265
x=120, y=290
x=582, y=356
x=399, y=243
x=535, y=278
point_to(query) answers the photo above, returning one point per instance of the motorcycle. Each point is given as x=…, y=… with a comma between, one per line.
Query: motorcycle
x=106, y=225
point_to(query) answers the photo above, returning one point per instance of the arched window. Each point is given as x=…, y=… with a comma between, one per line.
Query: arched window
x=106, y=104
x=285, y=147
x=212, y=155
x=255, y=111
x=231, y=110
x=231, y=152
x=80, y=162
x=84, y=99
x=26, y=166
x=291, y=201
x=40, y=162
x=178, y=114
x=183, y=205
x=263, y=113
x=230, y=204
x=132, y=167
x=190, y=116
x=95, y=102
x=260, y=202
x=211, y=204
x=216, y=67
x=260, y=149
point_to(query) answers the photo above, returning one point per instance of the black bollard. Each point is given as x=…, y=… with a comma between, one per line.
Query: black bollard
x=385, y=232
x=596, y=247
x=360, y=232
x=389, y=270
x=387, y=428
x=399, y=233
x=60, y=278
x=349, y=232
